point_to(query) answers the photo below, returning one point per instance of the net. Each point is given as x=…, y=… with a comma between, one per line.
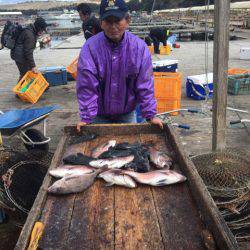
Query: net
x=227, y=177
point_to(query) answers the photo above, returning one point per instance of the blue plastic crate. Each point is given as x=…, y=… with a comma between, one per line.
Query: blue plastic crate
x=196, y=86
x=55, y=76
x=165, y=66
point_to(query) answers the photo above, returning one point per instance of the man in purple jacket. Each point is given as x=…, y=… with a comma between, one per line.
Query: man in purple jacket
x=115, y=72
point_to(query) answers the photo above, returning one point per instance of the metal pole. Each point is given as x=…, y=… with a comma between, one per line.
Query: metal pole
x=221, y=51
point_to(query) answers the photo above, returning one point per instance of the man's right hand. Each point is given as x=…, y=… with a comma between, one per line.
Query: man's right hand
x=79, y=125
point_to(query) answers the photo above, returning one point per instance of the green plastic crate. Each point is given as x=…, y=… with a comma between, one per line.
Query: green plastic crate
x=239, y=84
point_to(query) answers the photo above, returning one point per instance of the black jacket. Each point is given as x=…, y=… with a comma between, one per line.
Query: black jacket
x=25, y=46
x=91, y=27
x=158, y=33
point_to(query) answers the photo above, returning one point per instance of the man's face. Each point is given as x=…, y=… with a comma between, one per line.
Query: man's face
x=83, y=17
x=114, y=27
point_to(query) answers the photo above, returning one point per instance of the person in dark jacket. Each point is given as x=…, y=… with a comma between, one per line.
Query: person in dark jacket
x=157, y=36
x=91, y=25
x=25, y=45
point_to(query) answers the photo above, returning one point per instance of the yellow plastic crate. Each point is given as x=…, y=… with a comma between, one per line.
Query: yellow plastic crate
x=72, y=68
x=151, y=49
x=167, y=87
x=165, y=50
x=31, y=87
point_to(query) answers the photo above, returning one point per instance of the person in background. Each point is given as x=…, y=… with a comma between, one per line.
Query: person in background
x=115, y=72
x=23, y=53
x=91, y=25
x=157, y=36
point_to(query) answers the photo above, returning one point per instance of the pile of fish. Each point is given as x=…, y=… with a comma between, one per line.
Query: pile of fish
x=122, y=164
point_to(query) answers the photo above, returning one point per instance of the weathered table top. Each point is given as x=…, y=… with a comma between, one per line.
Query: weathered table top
x=120, y=218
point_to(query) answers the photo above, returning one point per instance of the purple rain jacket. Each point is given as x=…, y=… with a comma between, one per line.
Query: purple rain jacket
x=113, y=78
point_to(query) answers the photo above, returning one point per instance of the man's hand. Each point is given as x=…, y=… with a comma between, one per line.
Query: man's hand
x=34, y=70
x=79, y=125
x=157, y=121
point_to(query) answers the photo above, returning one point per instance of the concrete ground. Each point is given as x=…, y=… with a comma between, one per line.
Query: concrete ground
x=191, y=58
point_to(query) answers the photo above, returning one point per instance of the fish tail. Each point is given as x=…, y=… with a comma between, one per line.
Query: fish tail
x=103, y=169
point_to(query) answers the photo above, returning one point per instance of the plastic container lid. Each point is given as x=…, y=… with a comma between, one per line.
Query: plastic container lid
x=51, y=69
x=163, y=63
x=201, y=79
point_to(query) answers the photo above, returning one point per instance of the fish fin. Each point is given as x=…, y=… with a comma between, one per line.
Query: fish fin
x=161, y=183
x=117, y=171
x=104, y=168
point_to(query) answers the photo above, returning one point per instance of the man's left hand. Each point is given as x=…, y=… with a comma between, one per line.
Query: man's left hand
x=157, y=121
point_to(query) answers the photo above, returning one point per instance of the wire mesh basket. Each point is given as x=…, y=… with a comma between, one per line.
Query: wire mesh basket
x=226, y=174
x=21, y=176
x=227, y=177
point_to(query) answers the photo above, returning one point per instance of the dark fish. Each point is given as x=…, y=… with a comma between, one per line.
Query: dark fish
x=140, y=163
x=114, y=153
x=126, y=145
x=83, y=138
x=78, y=159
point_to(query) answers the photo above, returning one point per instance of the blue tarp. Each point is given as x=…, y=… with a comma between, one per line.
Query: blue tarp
x=14, y=119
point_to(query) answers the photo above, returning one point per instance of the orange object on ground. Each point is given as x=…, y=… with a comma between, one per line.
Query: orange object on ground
x=176, y=46
x=31, y=87
x=151, y=49
x=72, y=68
x=237, y=71
x=165, y=50
x=168, y=91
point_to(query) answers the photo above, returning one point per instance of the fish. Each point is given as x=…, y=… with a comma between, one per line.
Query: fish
x=82, y=138
x=160, y=159
x=115, y=177
x=74, y=150
x=72, y=184
x=64, y=170
x=156, y=178
x=123, y=150
x=140, y=163
x=126, y=145
x=115, y=153
x=78, y=159
x=112, y=163
x=103, y=148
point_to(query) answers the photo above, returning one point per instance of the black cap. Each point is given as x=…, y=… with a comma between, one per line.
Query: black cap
x=40, y=24
x=116, y=8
